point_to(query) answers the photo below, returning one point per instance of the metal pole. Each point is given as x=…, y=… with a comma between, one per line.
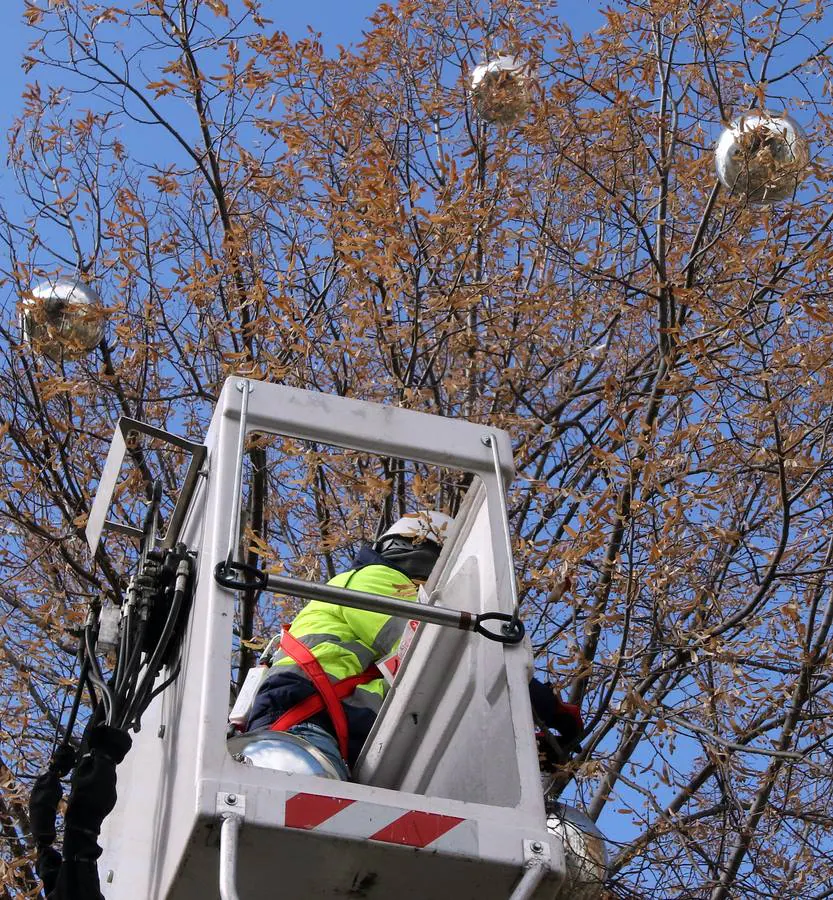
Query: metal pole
x=229, y=831
x=234, y=528
x=390, y=606
x=490, y=440
x=527, y=886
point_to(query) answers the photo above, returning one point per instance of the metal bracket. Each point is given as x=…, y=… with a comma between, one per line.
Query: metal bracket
x=98, y=522
x=536, y=866
x=537, y=853
x=231, y=810
x=229, y=803
x=229, y=833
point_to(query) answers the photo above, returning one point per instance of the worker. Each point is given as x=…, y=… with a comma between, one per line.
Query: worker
x=323, y=685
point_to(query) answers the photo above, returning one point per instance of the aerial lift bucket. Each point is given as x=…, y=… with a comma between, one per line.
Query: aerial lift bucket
x=446, y=799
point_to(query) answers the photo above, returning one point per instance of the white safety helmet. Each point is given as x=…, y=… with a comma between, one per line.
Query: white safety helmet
x=423, y=525
x=413, y=544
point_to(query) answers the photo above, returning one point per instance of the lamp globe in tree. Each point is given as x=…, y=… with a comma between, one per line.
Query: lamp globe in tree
x=63, y=318
x=501, y=89
x=762, y=156
x=585, y=851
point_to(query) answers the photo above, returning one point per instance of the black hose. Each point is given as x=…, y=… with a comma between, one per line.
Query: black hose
x=76, y=702
x=167, y=682
x=97, y=676
x=94, y=701
x=131, y=667
x=123, y=651
x=135, y=673
x=138, y=704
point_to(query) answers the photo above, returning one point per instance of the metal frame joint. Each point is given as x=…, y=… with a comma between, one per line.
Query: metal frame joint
x=230, y=803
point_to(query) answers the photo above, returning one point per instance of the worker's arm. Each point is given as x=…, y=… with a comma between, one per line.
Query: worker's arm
x=377, y=631
x=565, y=718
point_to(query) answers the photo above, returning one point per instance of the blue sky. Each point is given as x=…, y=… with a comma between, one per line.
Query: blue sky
x=15, y=41
x=337, y=21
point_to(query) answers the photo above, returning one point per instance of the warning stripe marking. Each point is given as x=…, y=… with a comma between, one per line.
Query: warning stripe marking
x=361, y=820
x=460, y=839
x=310, y=810
x=416, y=829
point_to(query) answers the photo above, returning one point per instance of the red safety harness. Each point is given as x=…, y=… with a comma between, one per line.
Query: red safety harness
x=328, y=694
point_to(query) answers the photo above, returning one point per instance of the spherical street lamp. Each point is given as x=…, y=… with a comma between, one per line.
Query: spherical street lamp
x=584, y=849
x=501, y=88
x=63, y=318
x=762, y=157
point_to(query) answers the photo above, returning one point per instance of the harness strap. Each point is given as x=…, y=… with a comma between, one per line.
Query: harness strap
x=313, y=704
x=328, y=695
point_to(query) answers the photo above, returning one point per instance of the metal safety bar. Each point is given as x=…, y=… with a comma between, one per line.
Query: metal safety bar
x=234, y=529
x=527, y=886
x=229, y=830
x=390, y=606
x=510, y=632
x=490, y=440
x=126, y=430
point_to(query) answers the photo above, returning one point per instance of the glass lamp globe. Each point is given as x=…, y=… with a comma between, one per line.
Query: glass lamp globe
x=501, y=89
x=282, y=752
x=762, y=156
x=584, y=850
x=63, y=318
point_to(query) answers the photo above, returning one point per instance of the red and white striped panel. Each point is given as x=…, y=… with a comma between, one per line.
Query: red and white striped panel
x=359, y=820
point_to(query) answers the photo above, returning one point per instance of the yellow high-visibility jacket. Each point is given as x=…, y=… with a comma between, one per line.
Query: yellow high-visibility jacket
x=345, y=642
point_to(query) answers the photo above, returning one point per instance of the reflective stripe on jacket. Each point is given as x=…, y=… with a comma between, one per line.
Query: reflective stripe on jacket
x=346, y=641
